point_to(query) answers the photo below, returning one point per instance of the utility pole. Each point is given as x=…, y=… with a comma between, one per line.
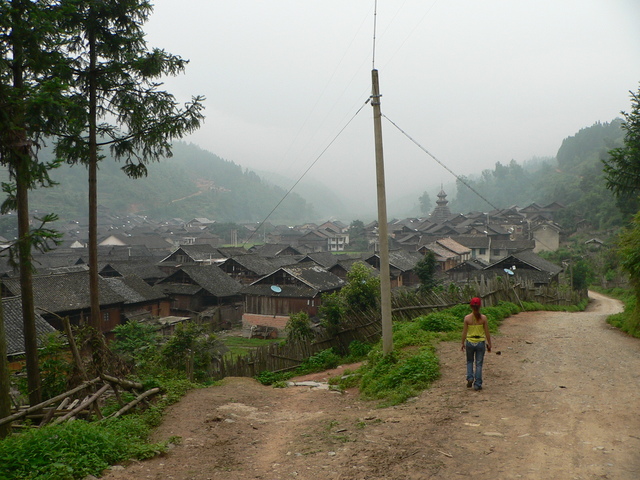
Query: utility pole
x=385, y=280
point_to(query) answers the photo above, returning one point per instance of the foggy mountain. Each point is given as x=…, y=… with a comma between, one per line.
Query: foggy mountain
x=198, y=183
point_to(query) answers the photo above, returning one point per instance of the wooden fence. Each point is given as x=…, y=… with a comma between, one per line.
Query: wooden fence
x=366, y=327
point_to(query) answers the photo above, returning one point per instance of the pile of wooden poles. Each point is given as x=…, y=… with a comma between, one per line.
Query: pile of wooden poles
x=62, y=408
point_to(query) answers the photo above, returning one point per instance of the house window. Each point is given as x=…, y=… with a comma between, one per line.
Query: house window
x=105, y=316
x=495, y=252
x=482, y=251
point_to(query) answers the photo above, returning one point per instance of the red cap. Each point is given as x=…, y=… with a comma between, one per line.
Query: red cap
x=475, y=302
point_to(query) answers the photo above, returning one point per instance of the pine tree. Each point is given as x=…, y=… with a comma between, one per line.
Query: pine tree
x=32, y=105
x=117, y=100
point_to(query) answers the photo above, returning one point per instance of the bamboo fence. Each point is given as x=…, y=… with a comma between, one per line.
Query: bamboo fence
x=366, y=327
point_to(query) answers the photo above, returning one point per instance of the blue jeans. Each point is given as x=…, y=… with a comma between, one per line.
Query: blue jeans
x=475, y=353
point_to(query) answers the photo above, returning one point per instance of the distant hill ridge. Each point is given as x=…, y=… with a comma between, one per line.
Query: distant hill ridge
x=192, y=183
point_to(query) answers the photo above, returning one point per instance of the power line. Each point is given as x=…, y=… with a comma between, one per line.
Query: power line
x=460, y=179
x=307, y=171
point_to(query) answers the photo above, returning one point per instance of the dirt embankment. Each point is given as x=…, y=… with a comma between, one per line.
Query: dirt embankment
x=559, y=402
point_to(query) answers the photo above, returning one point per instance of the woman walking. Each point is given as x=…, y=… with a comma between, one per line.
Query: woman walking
x=475, y=338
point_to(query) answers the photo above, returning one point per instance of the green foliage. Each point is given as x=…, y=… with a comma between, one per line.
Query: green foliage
x=205, y=184
x=137, y=343
x=575, y=180
x=54, y=367
x=324, y=360
x=439, y=322
x=332, y=311
x=582, y=275
x=622, y=169
x=73, y=450
x=360, y=294
x=627, y=320
x=270, y=378
x=395, y=378
x=190, y=341
x=362, y=291
x=358, y=241
x=298, y=327
x=406, y=334
x=426, y=270
x=425, y=203
x=358, y=350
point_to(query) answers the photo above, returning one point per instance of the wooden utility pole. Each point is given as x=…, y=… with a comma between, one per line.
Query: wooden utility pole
x=385, y=278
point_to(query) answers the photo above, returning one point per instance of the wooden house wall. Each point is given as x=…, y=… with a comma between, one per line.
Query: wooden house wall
x=281, y=305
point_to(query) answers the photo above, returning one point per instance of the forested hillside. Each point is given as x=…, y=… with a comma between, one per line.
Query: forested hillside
x=197, y=183
x=193, y=183
x=574, y=178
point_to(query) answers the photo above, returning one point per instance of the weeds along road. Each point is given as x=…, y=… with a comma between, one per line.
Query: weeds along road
x=559, y=402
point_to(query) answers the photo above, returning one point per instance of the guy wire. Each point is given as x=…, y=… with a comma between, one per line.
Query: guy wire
x=460, y=179
x=307, y=170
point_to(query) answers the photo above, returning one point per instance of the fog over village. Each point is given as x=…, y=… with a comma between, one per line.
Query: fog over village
x=203, y=200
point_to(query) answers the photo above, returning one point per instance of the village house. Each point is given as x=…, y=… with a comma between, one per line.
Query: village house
x=248, y=268
x=546, y=237
x=401, y=267
x=291, y=289
x=67, y=295
x=194, y=288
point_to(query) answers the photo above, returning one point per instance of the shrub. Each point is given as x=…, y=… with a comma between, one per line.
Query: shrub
x=442, y=321
x=74, y=450
x=409, y=333
x=298, y=327
x=397, y=377
x=358, y=350
x=324, y=360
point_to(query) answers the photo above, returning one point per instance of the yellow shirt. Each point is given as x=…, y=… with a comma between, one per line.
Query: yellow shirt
x=475, y=333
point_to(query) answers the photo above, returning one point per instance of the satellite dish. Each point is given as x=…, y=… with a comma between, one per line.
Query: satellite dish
x=276, y=288
x=509, y=271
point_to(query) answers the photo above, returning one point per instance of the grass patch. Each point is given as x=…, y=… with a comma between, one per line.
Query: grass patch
x=627, y=320
x=240, y=346
x=77, y=449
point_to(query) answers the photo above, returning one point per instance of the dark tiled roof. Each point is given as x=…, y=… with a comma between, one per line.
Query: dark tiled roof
x=310, y=275
x=256, y=264
x=142, y=268
x=233, y=251
x=472, y=241
x=134, y=289
x=209, y=277
x=65, y=292
x=528, y=260
x=324, y=259
x=14, y=326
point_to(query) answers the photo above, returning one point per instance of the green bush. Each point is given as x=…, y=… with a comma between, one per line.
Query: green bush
x=459, y=311
x=74, y=450
x=442, y=321
x=270, y=378
x=358, y=350
x=324, y=360
x=407, y=334
x=396, y=377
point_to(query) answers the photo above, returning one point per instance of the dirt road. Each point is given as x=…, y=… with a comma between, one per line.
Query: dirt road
x=559, y=402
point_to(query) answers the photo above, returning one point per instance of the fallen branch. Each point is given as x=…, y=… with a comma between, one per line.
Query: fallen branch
x=133, y=403
x=127, y=384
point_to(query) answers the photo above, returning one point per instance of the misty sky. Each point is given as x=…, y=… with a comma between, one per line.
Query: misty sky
x=473, y=82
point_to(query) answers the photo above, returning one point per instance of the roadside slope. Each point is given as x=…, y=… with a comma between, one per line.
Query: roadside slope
x=560, y=401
